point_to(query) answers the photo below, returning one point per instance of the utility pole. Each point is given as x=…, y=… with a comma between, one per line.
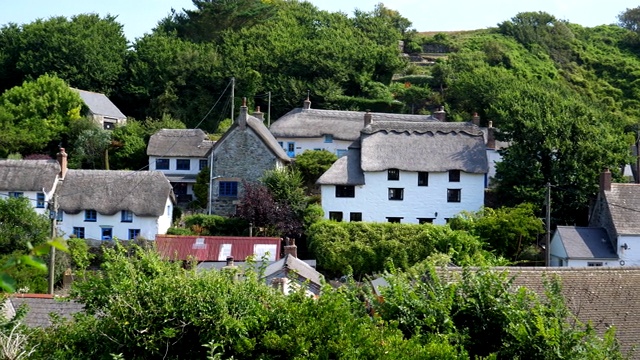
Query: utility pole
x=637, y=177
x=269, y=111
x=233, y=94
x=210, y=183
x=548, y=228
x=53, y=215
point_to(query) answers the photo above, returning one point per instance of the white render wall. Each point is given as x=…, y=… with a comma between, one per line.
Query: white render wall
x=302, y=144
x=149, y=226
x=33, y=196
x=194, y=165
x=493, y=157
x=630, y=255
x=372, y=199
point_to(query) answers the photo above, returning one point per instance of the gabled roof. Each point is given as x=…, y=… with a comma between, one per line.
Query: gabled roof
x=423, y=146
x=39, y=308
x=100, y=104
x=179, y=142
x=216, y=248
x=292, y=263
x=624, y=205
x=342, y=125
x=346, y=170
x=28, y=175
x=586, y=242
x=145, y=193
x=263, y=133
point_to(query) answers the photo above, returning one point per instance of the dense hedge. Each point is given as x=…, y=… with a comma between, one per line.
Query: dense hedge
x=213, y=225
x=363, y=247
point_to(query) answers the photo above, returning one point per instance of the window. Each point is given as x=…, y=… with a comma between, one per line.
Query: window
x=134, y=234
x=162, y=164
x=341, y=152
x=328, y=138
x=183, y=164
x=108, y=125
x=60, y=216
x=393, y=174
x=281, y=144
x=345, y=191
x=453, y=195
x=90, y=215
x=203, y=163
x=78, y=232
x=396, y=193
x=355, y=216
x=107, y=233
x=40, y=200
x=423, y=178
x=16, y=194
x=454, y=175
x=425, y=220
x=594, y=263
x=228, y=188
x=291, y=147
x=126, y=216
x=335, y=215
x=394, y=219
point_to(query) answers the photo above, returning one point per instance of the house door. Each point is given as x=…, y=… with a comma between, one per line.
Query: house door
x=107, y=233
x=291, y=149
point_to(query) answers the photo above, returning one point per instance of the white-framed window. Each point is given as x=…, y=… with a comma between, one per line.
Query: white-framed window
x=454, y=195
x=396, y=193
x=162, y=164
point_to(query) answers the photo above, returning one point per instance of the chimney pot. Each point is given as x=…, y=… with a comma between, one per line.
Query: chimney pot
x=605, y=180
x=440, y=114
x=258, y=114
x=230, y=261
x=367, y=118
x=307, y=104
x=475, y=119
x=290, y=248
x=491, y=136
x=241, y=120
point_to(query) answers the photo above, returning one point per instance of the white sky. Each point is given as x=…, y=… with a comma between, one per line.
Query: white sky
x=140, y=16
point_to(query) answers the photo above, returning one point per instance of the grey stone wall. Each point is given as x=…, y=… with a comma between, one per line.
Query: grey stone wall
x=242, y=156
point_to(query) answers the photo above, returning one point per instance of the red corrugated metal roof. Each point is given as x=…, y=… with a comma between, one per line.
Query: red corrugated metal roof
x=217, y=248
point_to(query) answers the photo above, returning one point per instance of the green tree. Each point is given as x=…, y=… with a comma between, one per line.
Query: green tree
x=630, y=19
x=312, y=164
x=36, y=114
x=201, y=187
x=20, y=226
x=90, y=146
x=130, y=146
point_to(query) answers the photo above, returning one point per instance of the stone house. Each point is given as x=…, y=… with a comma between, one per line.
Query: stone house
x=409, y=172
x=243, y=153
x=101, y=109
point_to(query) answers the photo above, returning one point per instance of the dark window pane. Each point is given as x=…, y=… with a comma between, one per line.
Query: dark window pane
x=453, y=195
x=335, y=215
x=423, y=179
x=393, y=174
x=345, y=191
x=396, y=193
x=454, y=175
x=162, y=164
x=355, y=216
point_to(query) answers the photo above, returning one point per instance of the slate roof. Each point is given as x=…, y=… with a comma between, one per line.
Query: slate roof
x=176, y=247
x=586, y=242
x=39, y=308
x=345, y=171
x=343, y=125
x=28, y=175
x=100, y=104
x=144, y=193
x=292, y=263
x=624, y=204
x=179, y=143
x=423, y=146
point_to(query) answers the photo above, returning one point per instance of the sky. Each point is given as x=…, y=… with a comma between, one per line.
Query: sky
x=140, y=16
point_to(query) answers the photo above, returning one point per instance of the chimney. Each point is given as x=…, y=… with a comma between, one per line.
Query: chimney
x=307, y=104
x=258, y=114
x=475, y=119
x=367, y=118
x=605, y=180
x=290, y=248
x=231, y=268
x=440, y=114
x=62, y=160
x=242, y=117
x=491, y=136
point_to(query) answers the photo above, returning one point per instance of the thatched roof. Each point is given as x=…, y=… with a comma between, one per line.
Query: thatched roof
x=624, y=204
x=342, y=125
x=423, y=146
x=346, y=170
x=100, y=104
x=28, y=175
x=179, y=142
x=144, y=193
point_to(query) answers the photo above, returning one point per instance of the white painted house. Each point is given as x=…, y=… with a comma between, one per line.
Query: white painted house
x=179, y=154
x=613, y=236
x=35, y=180
x=101, y=109
x=109, y=204
x=304, y=128
x=409, y=172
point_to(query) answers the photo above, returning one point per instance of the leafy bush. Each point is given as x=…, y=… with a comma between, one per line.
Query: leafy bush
x=215, y=225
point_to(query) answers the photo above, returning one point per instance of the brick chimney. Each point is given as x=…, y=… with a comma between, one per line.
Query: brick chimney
x=367, y=118
x=491, y=136
x=258, y=114
x=62, y=160
x=290, y=248
x=475, y=120
x=605, y=180
x=440, y=114
x=306, y=105
x=242, y=118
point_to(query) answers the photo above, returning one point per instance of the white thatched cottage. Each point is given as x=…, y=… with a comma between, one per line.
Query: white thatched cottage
x=180, y=154
x=333, y=130
x=34, y=179
x=409, y=172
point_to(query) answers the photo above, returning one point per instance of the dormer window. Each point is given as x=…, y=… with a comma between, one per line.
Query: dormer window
x=393, y=174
